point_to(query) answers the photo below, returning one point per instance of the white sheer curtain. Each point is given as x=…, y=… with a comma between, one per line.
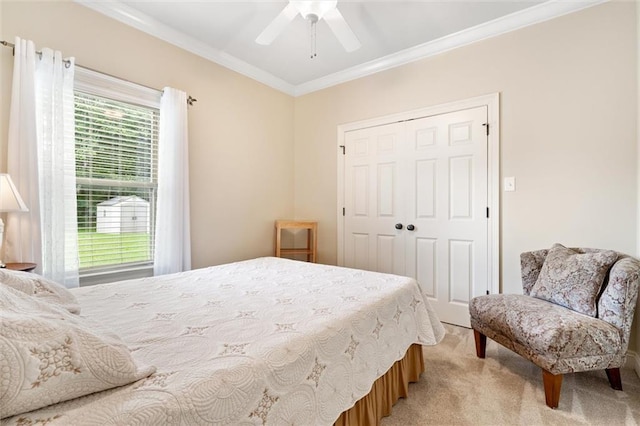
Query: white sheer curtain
x=57, y=165
x=41, y=159
x=173, y=237
x=22, y=231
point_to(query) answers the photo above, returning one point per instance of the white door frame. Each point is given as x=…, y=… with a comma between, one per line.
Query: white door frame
x=492, y=102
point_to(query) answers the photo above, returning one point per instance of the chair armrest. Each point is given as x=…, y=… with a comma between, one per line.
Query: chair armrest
x=530, y=264
x=618, y=300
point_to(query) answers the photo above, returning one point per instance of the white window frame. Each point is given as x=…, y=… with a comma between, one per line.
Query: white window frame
x=106, y=86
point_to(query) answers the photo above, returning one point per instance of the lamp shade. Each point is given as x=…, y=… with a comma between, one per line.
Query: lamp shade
x=10, y=200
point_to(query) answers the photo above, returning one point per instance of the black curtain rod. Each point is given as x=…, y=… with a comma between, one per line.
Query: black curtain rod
x=190, y=100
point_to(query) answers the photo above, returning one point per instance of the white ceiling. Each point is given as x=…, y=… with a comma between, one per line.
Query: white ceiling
x=392, y=32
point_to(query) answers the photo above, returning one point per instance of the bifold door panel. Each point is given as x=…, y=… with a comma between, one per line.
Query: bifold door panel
x=415, y=204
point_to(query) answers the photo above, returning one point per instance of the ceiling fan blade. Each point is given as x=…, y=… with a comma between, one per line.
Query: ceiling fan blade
x=342, y=30
x=278, y=25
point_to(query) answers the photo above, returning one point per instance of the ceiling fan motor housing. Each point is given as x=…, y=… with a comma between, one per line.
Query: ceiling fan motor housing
x=314, y=10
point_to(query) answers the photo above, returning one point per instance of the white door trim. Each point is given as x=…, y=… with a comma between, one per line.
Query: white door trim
x=492, y=101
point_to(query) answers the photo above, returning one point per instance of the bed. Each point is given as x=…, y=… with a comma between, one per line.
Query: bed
x=263, y=341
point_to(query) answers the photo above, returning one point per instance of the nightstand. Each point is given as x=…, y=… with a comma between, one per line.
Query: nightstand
x=26, y=267
x=310, y=251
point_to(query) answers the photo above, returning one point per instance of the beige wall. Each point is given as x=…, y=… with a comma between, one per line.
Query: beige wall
x=241, y=132
x=568, y=130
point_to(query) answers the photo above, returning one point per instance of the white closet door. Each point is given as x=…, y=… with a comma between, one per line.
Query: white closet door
x=430, y=176
x=446, y=187
x=373, y=200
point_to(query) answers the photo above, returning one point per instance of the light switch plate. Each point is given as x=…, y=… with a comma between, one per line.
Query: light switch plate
x=510, y=183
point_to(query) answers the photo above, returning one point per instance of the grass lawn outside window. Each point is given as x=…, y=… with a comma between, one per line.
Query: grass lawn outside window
x=105, y=249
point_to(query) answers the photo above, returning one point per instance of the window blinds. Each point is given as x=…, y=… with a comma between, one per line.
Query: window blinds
x=116, y=169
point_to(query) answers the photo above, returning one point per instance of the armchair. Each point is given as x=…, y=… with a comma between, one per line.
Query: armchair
x=575, y=314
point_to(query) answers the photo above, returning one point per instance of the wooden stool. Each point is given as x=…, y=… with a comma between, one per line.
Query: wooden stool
x=312, y=240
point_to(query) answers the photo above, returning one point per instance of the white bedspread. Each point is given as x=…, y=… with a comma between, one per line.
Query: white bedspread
x=262, y=341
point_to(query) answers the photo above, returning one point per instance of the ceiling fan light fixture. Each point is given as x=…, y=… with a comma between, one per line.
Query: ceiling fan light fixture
x=314, y=9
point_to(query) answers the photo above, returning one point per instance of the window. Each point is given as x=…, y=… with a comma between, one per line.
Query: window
x=116, y=172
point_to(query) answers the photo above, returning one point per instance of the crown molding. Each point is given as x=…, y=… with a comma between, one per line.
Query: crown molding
x=132, y=17
x=533, y=15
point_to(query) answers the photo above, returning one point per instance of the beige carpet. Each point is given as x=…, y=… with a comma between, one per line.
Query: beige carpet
x=458, y=388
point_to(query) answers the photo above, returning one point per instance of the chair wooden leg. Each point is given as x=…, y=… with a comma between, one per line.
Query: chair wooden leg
x=614, y=378
x=481, y=343
x=552, y=385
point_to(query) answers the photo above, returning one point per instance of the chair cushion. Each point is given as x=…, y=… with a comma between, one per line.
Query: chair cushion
x=573, y=279
x=559, y=335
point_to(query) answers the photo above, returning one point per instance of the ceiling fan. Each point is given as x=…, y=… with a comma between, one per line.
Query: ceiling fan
x=312, y=11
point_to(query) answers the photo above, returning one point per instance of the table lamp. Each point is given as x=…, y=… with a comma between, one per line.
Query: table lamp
x=10, y=201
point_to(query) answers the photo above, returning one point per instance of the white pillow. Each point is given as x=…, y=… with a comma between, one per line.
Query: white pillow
x=38, y=286
x=48, y=355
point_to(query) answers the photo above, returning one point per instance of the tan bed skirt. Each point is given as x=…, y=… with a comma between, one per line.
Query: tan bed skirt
x=393, y=385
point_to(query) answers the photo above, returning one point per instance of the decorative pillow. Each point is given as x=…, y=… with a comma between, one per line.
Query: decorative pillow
x=38, y=286
x=573, y=279
x=48, y=355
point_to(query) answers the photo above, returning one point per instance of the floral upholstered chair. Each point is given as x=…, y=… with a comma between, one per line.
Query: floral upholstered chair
x=575, y=314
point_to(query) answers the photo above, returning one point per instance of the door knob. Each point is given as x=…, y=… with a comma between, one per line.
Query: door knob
x=398, y=226
x=411, y=227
